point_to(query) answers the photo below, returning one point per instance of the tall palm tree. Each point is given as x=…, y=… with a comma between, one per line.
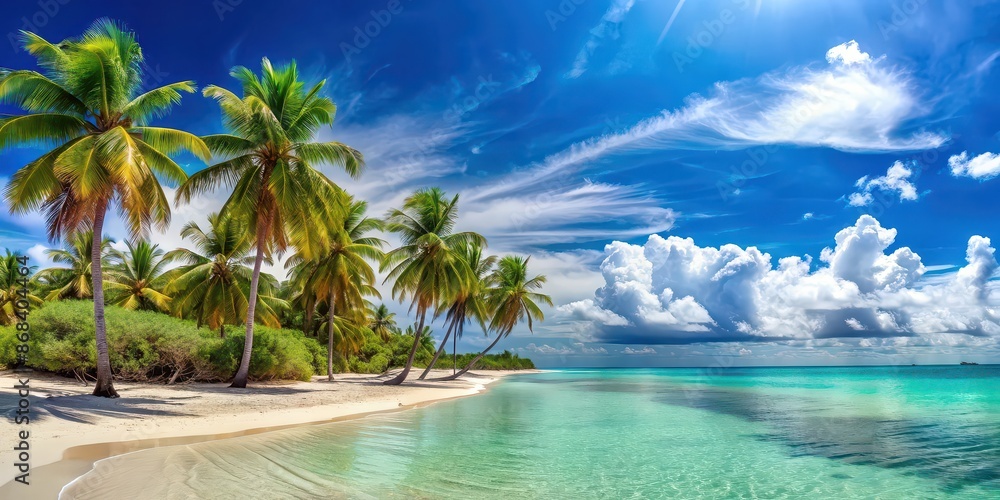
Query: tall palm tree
x=74, y=281
x=426, y=268
x=12, y=286
x=213, y=284
x=512, y=298
x=468, y=302
x=88, y=104
x=341, y=274
x=270, y=162
x=382, y=322
x=135, y=279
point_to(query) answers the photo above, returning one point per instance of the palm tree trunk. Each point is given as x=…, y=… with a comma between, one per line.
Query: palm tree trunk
x=329, y=341
x=398, y=379
x=104, y=386
x=222, y=331
x=444, y=342
x=474, y=360
x=240, y=380
x=307, y=326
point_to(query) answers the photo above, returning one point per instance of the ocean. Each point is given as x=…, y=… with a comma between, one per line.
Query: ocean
x=844, y=432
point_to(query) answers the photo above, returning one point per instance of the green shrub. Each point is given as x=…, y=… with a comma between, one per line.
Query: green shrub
x=153, y=347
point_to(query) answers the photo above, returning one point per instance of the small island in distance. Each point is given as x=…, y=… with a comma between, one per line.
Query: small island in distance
x=969, y=363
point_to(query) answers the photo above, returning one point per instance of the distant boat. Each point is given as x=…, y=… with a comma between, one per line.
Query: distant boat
x=968, y=363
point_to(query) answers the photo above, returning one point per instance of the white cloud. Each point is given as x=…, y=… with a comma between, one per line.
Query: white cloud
x=577, y=348
x=673, y=291
x=983, y=167
x=850, y=107
x=607, y=28
x=848, y=54
x=644, y=351
x=808, y=215
x=745, y=352
x=896, y=181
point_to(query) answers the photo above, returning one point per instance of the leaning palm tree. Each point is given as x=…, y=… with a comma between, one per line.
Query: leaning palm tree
x=73, y=279
x=341, y=274
x=270, y=162
x=212, y=285
x=426, y=269
x=468, y=302
x=135, y=280
x=87, y=103
x=382, y=322
x=511, y=298
x=14, y=287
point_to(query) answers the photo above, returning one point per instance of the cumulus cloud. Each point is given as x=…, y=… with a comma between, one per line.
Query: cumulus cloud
x=896, y=182
x=672, y=291
x=847, y=54
x=983, y=167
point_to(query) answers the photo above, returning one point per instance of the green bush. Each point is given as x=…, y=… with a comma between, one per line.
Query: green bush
x=151, y=347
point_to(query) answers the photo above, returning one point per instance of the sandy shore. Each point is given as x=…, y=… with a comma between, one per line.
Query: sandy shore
x=70, y=430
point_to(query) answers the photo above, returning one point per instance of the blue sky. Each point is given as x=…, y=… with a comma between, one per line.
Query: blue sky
x=811, y=151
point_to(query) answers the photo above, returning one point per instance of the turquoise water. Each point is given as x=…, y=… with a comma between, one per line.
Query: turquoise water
x=879, y=432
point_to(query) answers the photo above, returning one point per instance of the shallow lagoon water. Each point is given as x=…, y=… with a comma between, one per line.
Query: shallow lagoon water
x=860, y=432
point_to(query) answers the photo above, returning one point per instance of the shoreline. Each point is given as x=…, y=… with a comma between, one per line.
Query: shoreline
x=75, y=430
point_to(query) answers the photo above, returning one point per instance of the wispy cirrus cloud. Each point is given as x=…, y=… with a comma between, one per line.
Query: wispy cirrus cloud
x=855, y=103
x=607, y=28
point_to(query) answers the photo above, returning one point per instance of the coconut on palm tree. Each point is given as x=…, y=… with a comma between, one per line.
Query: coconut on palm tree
x=72, y=280
x=468, y=302
x=512, y=298
x=88, y=105
x=426, y=268
x=12, y=288
x=135, y=280
x=212, y=285
x=269, y=160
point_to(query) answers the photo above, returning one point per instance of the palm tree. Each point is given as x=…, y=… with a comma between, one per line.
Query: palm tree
x=512, y=298
x=341, y=275
x=212, y=285
x=269, y=162
x=73, y=282
x=87, y=104
x=468, y=302
x=135, y=280
x=12, y=287
x=426, y=268
x=382, y=322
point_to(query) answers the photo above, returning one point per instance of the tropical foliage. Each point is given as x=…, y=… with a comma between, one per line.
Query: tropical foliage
x=270, y=162
x=87, y=104
x=168, y=310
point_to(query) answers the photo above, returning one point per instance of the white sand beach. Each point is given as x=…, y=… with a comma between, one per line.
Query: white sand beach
x=70, y=430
